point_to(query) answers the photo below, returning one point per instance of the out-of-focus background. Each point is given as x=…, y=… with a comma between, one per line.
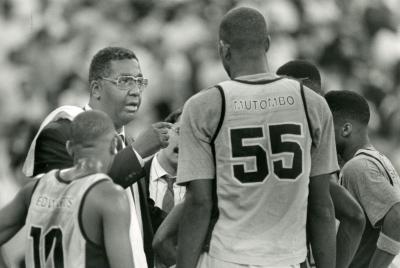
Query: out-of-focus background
x=46, y=47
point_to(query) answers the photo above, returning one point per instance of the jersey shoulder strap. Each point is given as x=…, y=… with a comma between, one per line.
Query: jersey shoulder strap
x=366, y=153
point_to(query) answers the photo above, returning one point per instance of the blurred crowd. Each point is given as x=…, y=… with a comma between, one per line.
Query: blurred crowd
x=47, y=45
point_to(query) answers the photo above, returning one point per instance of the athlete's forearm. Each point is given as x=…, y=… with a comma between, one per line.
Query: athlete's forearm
x=192, y=232
x=388, y=244
x=352, y=223
x=165, y=239
x=348, y=238
x=321, y=222
x=323, y=236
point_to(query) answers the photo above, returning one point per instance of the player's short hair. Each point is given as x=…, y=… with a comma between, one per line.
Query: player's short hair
x=101, y=61
x=244, y=29
x=174, y=116
x=88, y=126
x=305, y=71
x=346, y=104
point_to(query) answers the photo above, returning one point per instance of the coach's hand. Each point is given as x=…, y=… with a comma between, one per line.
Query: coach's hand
x=152, y=139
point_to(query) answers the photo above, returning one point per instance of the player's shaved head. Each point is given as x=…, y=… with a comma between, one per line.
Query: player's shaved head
x=89, y=126
x=347, y=105
x=305, y=71
x=244, y=29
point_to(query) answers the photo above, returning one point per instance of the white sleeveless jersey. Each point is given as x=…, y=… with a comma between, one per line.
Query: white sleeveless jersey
x=55, y=237
x=263, y=161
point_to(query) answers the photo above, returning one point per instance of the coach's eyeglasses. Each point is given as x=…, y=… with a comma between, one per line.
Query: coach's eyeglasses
x=125, y=82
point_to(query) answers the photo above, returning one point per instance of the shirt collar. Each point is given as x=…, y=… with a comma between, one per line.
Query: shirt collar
x=157, y=171
x=368, y=148
x=121, y=133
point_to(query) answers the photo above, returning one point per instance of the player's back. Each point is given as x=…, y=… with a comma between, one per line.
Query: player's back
x=263, y=161
x=55, y=236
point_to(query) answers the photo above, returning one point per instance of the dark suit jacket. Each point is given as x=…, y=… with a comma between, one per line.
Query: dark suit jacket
x=51, y=153
x=157, y=214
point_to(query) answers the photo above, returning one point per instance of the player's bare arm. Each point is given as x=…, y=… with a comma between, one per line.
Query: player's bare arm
x=321, y=220
x=194, y=223
x=13, y=215
x=388, y=245
x=352, y=223
x=165, y=239
x=109, y=205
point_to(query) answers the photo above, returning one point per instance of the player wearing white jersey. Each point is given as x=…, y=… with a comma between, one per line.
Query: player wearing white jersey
x=75, y=217
x=250, y=141
x=53, y=223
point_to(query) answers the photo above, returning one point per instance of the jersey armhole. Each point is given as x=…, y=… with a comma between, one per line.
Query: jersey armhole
x=306, y=112
x=32, y=192
x=215, y=211
x=222, y=115
x=80, y=219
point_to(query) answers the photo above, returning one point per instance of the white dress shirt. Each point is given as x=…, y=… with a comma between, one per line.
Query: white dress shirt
x=158, y=186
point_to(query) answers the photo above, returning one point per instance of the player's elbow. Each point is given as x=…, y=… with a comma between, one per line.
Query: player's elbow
x=356, y=218
x=321, y=210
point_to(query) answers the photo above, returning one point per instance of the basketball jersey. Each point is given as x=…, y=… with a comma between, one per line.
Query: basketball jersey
x=55, y=237
x=263, y=161
x=381, y=161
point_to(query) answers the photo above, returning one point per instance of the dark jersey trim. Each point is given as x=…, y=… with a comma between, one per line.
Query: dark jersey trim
x=215, y=211
x=80, y=221
x=258, y=82
x=306, y=111
x=222, y=116
x=58, y=177
x=34, y=188
x=380, y=162
x=33, y=191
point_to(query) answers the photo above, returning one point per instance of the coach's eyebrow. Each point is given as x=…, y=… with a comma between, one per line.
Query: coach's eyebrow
x=131, y=74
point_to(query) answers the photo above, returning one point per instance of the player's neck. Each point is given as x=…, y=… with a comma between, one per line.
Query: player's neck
x=249, y=67
x=360, y=143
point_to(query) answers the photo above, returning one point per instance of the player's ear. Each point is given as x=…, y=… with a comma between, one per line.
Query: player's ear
x=95, y=89
x=267, y=43
x=69, y=145
x=346, y=130
x=224, y=50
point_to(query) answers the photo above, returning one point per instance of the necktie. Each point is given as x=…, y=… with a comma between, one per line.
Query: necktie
x=168, y=200
x=121, y=143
